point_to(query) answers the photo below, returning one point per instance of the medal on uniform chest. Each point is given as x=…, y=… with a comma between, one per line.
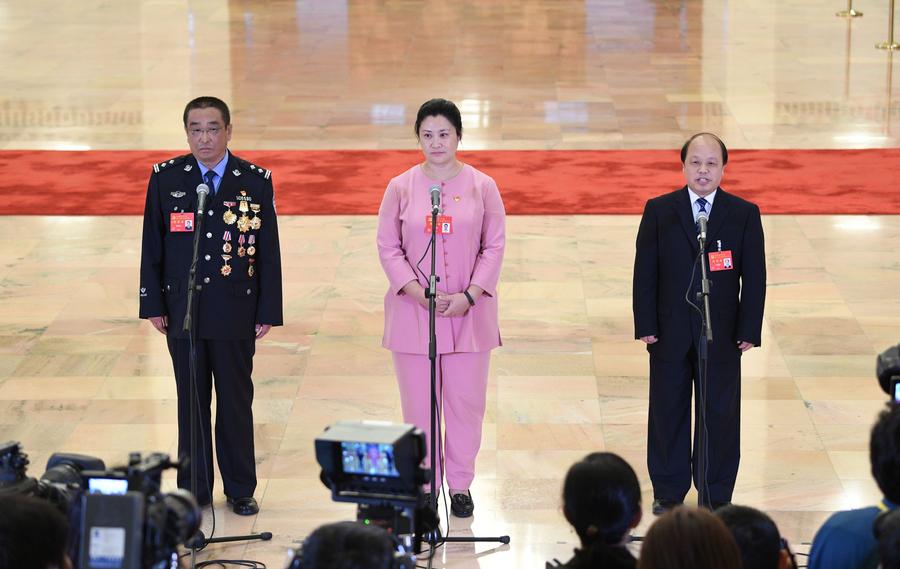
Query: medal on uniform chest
x=229, y=216
x=240, y=250
x=251, y=270
x=226, y=268
x=251, y=250
x=243, y=223
x=256, y=222
x=227, y=238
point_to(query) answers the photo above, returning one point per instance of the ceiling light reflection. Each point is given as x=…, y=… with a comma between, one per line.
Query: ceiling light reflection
x=387, y=114
x=859, y=138
x=565, y=112
x=857, y=223
x=476, y=113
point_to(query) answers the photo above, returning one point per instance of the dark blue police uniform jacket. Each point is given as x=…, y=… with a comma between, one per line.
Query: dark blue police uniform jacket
x=233, y=301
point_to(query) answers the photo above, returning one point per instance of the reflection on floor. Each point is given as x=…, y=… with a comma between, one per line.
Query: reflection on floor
x=80, y=373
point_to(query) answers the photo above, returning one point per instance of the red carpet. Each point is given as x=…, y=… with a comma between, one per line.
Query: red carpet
x=531, y=182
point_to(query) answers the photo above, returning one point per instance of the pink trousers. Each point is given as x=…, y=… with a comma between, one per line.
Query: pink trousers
x=462, y=391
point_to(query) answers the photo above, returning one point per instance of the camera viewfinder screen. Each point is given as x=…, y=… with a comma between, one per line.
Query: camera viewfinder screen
x=107, y=486
x=896, y=386
x=372, y=459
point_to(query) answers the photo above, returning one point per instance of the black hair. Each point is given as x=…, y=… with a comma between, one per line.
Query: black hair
x=205, y=103
x=687, y=143
x=756, y=535
x=440, y=108
x=33, y=533
x=347, y=545
x=884, y=452
x=887, y=532
x=601, y=497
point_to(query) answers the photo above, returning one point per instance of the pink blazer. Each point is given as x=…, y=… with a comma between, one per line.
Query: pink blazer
x=472, y=254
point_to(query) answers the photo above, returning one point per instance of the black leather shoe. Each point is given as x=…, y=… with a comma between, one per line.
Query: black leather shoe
x=661, y=506
x=462, y=505
x=246, y=506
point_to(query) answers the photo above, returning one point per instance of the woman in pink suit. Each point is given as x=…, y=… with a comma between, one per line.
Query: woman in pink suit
x=469, y=245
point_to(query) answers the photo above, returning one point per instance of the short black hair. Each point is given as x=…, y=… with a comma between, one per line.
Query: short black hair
x=601, y=492
x=884, y=452
x=688, y=142
x=887, y=532
x=347, y=545
x=756, y=535
x=33, y=533
x=205, y=103
x=440, y=108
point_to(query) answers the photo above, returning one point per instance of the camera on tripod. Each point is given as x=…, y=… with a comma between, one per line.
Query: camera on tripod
x=377, y=465
x=118, y=518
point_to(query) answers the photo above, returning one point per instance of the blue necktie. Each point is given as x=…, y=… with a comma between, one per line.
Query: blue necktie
x=210, y=181
x=702, y=203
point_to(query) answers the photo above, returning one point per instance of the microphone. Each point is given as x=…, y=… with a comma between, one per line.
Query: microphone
x=202, y=192
x=702, y=219
x=435, y=199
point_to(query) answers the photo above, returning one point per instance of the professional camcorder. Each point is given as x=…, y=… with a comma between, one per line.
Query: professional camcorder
x=118, y=517
x=378, y=466
x=887, y=368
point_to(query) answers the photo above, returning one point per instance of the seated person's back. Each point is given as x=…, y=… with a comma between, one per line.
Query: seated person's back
x=346, y=545
x=33, y=534
x=758, y=538
x=602, y=501
x=689, y=538
x=847, y=539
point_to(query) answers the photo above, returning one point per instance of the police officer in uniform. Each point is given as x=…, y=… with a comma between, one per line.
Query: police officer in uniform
x=239, y=291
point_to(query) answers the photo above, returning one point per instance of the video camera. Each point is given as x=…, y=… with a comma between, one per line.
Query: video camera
x=377, y=465
x=887, y=368
x=118, y=517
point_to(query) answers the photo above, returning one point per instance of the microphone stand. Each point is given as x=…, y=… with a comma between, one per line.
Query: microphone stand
x=431, y=295
x=703, y=355
x=199, y=541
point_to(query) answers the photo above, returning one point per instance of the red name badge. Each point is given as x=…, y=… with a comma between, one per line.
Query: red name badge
x=720, y=261
x=180, y=222
x=444, y=226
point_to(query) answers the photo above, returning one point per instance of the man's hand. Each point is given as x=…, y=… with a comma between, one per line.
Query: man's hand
x=161, y=323
x=744, y=346
x=649, y=339
x=262, y=330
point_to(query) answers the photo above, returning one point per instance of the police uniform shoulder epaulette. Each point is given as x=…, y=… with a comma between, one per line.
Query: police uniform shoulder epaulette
x=258, y=170
x=170, y=163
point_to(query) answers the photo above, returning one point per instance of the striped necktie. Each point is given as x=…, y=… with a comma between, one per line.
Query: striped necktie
x=210, y=178
x=702, y=203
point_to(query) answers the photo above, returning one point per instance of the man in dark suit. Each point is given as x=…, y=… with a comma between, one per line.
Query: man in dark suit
x=666, y=270
x=238, y=296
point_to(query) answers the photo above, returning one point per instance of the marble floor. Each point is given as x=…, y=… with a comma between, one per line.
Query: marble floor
x=79, y=372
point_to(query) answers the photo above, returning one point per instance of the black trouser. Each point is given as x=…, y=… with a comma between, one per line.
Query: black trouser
x=231, y=363
x=671, y=457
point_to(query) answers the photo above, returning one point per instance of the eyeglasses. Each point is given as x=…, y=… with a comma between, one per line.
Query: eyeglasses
x=198, y=132
x=785, y=546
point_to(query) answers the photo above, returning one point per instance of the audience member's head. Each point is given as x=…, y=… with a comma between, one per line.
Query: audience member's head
x=884, y=452
x=757, y=537
x=689, y=538
x=346, y=545
x=602, y=499
x=887, y=532
x=33, y=534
